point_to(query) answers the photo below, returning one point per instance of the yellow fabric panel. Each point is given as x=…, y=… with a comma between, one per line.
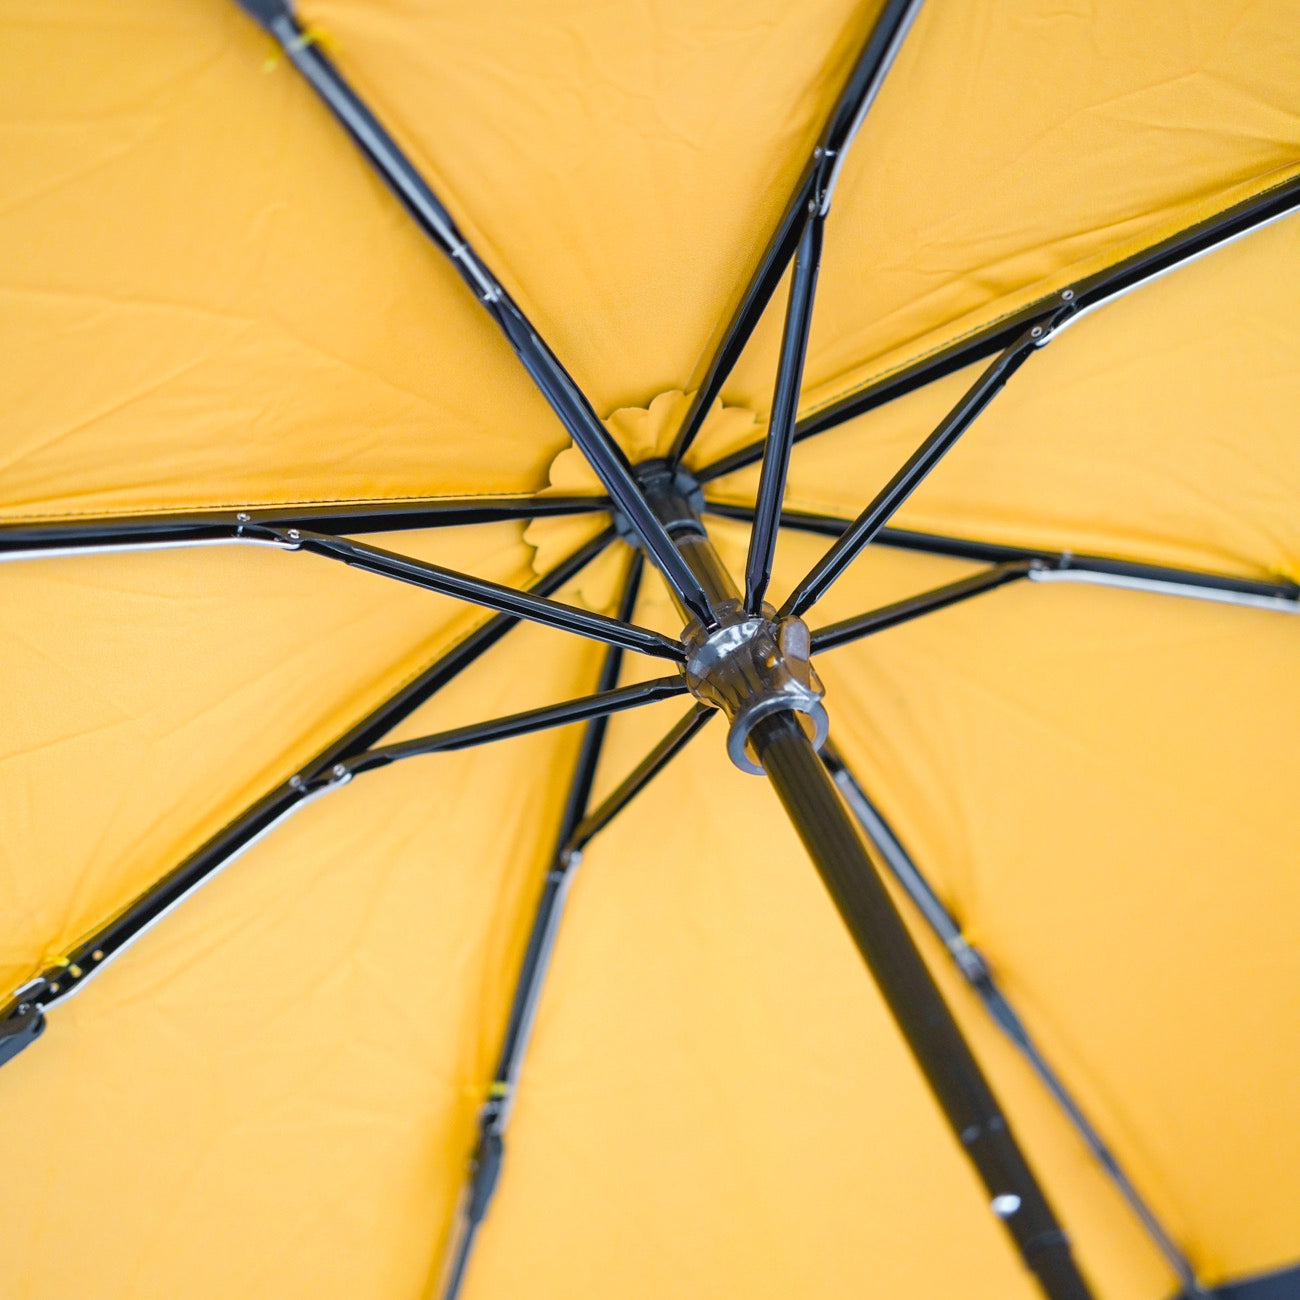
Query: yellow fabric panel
x=151, y=696
x=1086, y=775
x=1079, y=772
x=620, y=167
x=1016, y=147
x=715, y=1103
x=1161, y=427
x=273, y=1093
x=710, y=1055
x=209, y=300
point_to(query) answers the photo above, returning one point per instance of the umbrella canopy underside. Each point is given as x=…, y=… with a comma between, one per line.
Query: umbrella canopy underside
x=211, y=304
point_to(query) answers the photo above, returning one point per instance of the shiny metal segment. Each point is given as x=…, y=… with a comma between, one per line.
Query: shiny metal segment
x=1165, y=587
x=127, y=548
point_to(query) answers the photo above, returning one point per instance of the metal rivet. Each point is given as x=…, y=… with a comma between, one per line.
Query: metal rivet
x=1005, y=1205
x=339, y=771
x=54, y=988
x=75, y=972
x=97, y=955
x=243, y=516
x=1067, y=295
x=294, y=534
x=296, y=783
x=1036, y=332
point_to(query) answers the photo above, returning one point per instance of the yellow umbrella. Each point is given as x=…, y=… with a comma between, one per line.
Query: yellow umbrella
x=1055, y=806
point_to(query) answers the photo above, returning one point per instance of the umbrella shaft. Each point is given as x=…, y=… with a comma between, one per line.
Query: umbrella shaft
x=950, y=1068
x=752, y=691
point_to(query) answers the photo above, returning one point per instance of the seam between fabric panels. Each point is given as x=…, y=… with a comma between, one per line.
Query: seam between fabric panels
x=1190, y=217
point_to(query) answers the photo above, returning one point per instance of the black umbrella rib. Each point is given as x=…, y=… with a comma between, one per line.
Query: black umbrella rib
x=562, y=393
x=22, y=1018
x=914, y=471
x=639, y=777
x=811, y=197
x=494, y=1116
x=82, y=535
x=1090, y=292
x=582, y=709
x=479, y=591
x=489, y=1151
x=927, y=602
x=785, y=403
x=973, y=967
x=1057, y=566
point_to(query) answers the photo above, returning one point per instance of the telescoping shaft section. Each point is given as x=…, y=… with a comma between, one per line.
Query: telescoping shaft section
x=755, y=667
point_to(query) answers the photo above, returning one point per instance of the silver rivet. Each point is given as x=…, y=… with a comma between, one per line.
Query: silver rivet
x=243, y=516
x=1005, y=1205
x=296, y=783
x=1067, y=295
x=293, y=534
x=1036, y=332
x=339, y=771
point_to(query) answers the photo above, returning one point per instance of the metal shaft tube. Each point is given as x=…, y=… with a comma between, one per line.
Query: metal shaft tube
x=810, y=798
x=973, y=968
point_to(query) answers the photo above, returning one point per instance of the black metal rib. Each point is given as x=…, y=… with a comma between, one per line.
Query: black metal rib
x=489, y=1152
x=566, y=399
x=1090, y=292
x=914, y=471
x=785, y=402
x=520, y=724
x=639, y=777
x=479, y=591
x=927, y=602
x=93, y=953
x=489, y=1149
x=812, y=194
x=1196, y=582
x=973, y=967
x=1055, y=566
x=189, y=528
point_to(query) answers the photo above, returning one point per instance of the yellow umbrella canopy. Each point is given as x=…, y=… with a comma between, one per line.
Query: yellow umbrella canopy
x=563, y=317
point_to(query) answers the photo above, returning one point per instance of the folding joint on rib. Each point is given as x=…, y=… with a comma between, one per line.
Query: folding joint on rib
x=568, y=861
x=25, y=1021
x=969, y=960
x=1042, y=332
x=319, y=782
x=825, y=173
x=287, y=539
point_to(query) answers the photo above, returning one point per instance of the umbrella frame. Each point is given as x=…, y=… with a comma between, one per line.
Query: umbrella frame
x=658, y=508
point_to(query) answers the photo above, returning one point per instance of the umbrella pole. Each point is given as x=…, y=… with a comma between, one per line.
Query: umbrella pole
x=974, y=969
x=810, y=798
x=756, y=669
